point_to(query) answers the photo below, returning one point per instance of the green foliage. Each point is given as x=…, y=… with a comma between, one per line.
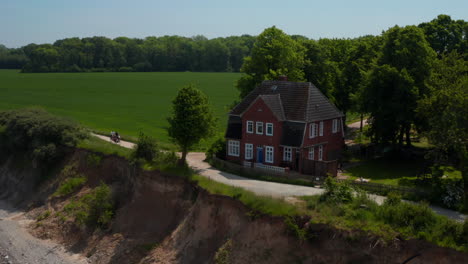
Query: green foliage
x=447, y=116
x=191, y=119
x=93, y=160
x=146, y=148
x=337, y=192
x=396, y=83
x=36, y=131
x=101, y=54
x=274, y=54
x=43, y=216
x=69, y=186
x=93, y=209
x=217, y=149
x=223, y=254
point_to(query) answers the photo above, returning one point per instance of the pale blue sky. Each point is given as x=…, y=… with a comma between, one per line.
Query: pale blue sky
x=44, y=21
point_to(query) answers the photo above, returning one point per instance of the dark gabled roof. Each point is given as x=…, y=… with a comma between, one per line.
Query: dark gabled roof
x=293, y=134
x=296, y=101
x=234, y=129
x=319, y=107
x=273, y=101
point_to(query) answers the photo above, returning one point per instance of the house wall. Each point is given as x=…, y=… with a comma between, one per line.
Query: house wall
x=334, y=141
x=260, y=112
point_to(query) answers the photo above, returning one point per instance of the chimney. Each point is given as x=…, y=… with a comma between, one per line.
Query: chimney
x=283, y=78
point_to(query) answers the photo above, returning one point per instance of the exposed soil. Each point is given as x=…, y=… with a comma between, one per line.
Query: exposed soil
x=163, y=218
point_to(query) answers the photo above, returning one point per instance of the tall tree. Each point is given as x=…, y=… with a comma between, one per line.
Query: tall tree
x=445, y=34
x=274, y=54
x=407, y=58
x=446, y=110
x=191, y=120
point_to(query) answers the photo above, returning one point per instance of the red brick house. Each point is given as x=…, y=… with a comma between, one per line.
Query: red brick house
x=284, y=124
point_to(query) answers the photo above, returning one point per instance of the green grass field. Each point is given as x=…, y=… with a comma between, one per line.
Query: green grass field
x=125, y=102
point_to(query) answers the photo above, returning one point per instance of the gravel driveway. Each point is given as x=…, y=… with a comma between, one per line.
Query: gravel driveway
x=17, y=246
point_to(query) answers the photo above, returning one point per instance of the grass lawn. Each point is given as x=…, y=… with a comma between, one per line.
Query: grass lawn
x=394, y=172
x=386, y=171
x=125, y=102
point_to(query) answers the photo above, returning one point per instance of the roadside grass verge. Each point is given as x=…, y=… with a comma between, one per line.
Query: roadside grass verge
x=262, y=204
x=392, y=219
x=98, y=145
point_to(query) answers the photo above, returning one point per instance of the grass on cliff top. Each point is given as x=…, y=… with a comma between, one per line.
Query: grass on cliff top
x=262, y=204
x=98, y=145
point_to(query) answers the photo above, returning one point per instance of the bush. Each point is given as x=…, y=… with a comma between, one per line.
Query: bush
x=337, y=192
x=69, y=186
x=146, y=148
x=143, y=67
x=217, y=149
x=93, y=209
x=43, y=135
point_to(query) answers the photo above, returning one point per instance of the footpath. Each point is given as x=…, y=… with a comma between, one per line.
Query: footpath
x=278, y=190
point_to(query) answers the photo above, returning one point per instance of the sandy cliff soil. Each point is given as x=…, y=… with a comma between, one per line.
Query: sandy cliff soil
x=162, y=218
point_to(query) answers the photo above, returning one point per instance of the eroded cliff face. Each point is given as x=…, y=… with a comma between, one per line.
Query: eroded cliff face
x=162, y=218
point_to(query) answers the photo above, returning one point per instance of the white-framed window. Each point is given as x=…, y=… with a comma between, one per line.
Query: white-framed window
x=321, y=129
x=311, y=153
x=233, y=148
x=287, y=154
x=248, y=151
x=250, y=128
x=269, y=154
x=320, y=154
x=334, y=126
x=269, y=129
x=312, y=130
x=259, y=127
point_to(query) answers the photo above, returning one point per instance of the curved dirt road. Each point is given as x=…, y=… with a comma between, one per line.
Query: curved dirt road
x=273, y=189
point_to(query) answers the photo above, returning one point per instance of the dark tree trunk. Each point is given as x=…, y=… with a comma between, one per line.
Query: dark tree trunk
x=184, y=157
x=408, y=138
x=362, y=122
x=401, y=137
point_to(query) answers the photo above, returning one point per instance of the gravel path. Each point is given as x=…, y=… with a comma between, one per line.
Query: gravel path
x=17, y=246
x=273, y=189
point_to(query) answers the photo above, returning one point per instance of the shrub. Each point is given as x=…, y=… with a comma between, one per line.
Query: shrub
x=93, y=209
x=43, y=135
x=125, y=69
x=146, y=148
x=217, y=149
x=93, y=160
x=69, y=186
x=336, y=191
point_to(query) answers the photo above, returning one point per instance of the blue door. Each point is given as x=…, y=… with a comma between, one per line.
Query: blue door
x=260, y=155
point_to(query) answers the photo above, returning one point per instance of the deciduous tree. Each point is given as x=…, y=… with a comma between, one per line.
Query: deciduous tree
x=191, y=120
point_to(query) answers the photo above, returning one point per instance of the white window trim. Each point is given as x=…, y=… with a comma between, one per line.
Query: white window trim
x=312, y=130
x=311, y=153
x=257, y=125
x=321, y=129
x=287, y=154
x=269, y=149
x=247, y=128
x=233, y=145
x=320, y=155
x=266, y=129
x=248, y=150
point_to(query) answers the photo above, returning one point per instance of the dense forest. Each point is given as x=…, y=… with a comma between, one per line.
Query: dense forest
x=175, y=53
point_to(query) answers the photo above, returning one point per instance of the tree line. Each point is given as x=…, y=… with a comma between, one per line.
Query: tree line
x=167, y=53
